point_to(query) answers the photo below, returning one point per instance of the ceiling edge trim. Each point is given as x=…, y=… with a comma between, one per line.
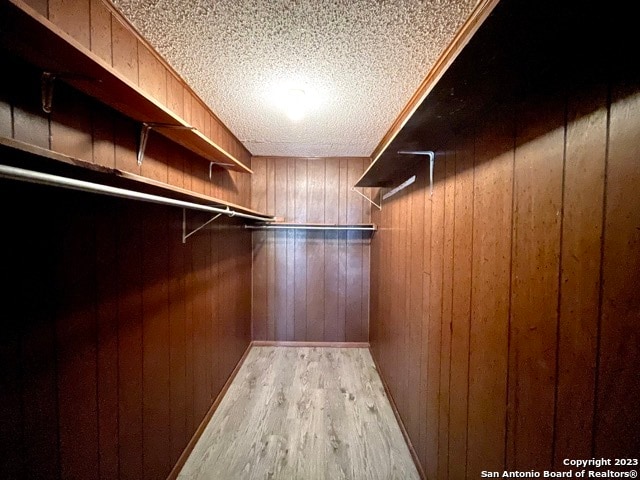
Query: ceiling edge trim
x=468, y=29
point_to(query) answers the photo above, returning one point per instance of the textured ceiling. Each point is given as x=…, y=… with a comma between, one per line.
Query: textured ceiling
x=357, y=61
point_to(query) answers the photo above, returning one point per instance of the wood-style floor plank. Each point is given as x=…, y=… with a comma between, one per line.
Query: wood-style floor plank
x=303, y=412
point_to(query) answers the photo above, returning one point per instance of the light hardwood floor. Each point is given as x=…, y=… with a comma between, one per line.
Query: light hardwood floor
x=303, y=413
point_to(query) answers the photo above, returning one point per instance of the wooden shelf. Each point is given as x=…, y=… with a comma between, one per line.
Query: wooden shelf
x=522, y=49
x=363, y=227
x=27, y=35
x=23, y=155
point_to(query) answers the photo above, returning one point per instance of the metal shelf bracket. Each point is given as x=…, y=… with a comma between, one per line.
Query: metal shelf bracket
x=432, y=157
x=144, y=135
x=353, y=189
x=185, y=235
x=47, y=82
x=221, y=164
x=47, y=79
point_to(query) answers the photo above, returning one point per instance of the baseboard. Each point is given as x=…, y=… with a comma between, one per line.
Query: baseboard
x=173, y=475
x=405, y=434
x=270, y=343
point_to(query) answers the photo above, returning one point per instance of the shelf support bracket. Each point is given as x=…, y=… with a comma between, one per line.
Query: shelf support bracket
x=353, y=189
x=46, y=83
x=432, y=157
x=186, y=235
x=144, y=135
x=221, y=164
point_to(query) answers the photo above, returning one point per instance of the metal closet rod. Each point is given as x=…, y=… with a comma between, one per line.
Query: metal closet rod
x=309, y=227
x=81, y=185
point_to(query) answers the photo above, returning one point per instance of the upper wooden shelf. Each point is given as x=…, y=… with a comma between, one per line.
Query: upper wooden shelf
x=522, y=50
x=26, y=34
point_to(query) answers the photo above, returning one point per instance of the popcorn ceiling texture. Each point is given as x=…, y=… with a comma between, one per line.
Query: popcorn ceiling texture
x=361, y=60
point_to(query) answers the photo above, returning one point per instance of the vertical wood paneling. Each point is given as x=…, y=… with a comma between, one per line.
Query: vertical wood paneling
x=300, y=256
x=271, y=252
x=99, y=359
x=447, y=307
x=154, y=164
x=532, y=376
x=331, y=252
x=152, y=76
x=460, y=313
x=310, y=285
x=491, y=267
x=130, y=374
x=315, y=250
x=259, y=296
x=76, y=349
x=12, y=460
x=73, y=17
x=355, y=326
x=102, y=375
x=291, y=251
x=126, y=151
x=71, y=132
x=422, y=441
x=177, y=337
x=175, y=95
x=124, y=49
x=414, y=313
x=617, y=385
x=107, y=325
x=38, y=363
x=344, y=194
x=199, y=317
x=580, y=280
x=102, y=121
x=101, y=31
x=536, y=250
x=155, y=337
x=435, y=317
x=279, y=281
x=217, y=303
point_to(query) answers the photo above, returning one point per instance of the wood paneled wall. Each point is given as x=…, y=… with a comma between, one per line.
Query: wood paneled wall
x=116, y=336
x=99, y=27
x=505, y=312
x=310, y=285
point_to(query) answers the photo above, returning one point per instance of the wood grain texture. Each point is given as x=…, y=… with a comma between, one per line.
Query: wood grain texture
x=71, y=132
x=538, y=183
x=310, y=285
x=284, y=417
x=460, y=311
x=101, y=30
x=73, y=17
x=490, y=298
x=124, y=48
x=544, y=252
x=75, y=344
x=435, y=319
x=619, y=348
x=103, y=378
x=580, y=281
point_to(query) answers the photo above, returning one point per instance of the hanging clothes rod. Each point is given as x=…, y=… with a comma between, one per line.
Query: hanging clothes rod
x=81, y=185
x=291, y=226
